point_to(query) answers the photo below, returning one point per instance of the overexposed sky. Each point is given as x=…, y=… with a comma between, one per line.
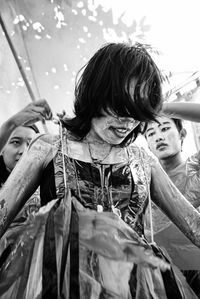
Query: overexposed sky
x=174, y=27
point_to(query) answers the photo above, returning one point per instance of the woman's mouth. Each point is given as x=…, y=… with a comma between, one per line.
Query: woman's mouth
x=120, y=132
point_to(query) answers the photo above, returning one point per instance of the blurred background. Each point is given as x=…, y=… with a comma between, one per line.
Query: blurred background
x=53, y=39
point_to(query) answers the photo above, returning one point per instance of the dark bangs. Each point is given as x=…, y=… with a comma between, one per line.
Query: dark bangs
x=135, y=64
x=104, y=83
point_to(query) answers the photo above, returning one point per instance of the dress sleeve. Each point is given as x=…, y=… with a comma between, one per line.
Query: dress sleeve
x=24, y=180
x=170, y=200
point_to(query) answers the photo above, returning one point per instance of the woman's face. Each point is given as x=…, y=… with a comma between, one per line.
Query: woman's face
x=112, y=129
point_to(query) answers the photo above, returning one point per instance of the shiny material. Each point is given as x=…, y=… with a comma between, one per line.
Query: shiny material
x=107, y=245
x=166, y=196
x=184, y=254
x=23, y=181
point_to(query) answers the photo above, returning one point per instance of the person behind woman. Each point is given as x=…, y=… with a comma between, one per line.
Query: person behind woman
x=16, y=134
x=165, y=138
x=30, y=114
x=17, y=143
x=85, y=240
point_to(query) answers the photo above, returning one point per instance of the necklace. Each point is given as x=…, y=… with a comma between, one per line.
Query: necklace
x=102, y=168
x=96, y=160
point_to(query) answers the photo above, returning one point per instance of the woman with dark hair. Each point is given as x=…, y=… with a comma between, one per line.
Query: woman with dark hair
x=87, y=240
x=115, y=75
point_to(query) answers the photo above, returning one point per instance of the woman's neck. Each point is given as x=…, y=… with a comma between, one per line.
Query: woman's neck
x=171, y=162
x=92, y=137
x=99, y=149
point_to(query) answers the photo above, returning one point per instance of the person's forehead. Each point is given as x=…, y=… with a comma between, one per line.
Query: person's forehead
x=22, y=132
x=161, y=120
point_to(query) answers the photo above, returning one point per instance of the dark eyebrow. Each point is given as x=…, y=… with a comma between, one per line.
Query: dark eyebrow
x=159, y=125
x=15, y=137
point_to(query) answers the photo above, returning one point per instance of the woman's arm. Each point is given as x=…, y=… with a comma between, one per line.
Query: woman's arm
x=179, y=210
x=186, y=111
x=24, y=180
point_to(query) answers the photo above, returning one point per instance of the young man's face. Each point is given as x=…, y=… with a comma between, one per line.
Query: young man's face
x=17, y=143
x=163, y=138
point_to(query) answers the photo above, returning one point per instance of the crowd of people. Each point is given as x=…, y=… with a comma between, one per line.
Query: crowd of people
x=89, y=235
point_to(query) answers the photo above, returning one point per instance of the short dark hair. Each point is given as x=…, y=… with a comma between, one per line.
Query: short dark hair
x=104, y=84
x=178, y=123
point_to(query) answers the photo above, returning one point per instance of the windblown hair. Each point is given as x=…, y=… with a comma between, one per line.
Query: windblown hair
x=104, y=84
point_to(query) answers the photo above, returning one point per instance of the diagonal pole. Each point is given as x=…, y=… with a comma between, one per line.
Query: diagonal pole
x=28, y=86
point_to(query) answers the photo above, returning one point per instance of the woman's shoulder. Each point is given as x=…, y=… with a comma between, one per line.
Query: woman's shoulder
x=45, y=146
x=138, y=150
x=141, y=154
x=45, y=138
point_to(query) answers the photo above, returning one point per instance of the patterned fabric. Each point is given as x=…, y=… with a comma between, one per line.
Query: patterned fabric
x=124, y=185
x=68, y=250
x=31, y=206
x=186, y=178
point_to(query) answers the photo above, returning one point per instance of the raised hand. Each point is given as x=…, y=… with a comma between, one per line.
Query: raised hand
x=33, y=112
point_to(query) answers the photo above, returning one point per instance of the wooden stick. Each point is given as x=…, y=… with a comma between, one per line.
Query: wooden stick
x=28, y=86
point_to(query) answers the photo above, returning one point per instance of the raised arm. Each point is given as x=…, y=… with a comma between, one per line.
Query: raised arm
x=30, y=114
x=186, y=111
x=24, y=180
x=166, y=196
